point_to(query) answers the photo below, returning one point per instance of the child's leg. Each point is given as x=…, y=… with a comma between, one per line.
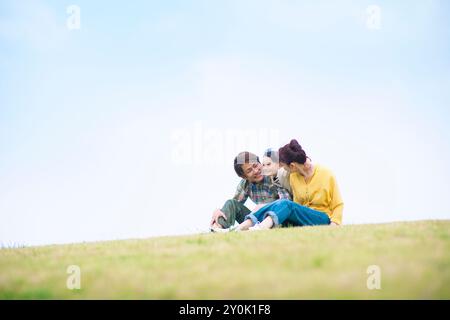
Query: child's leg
x=245, y=225
x=267, y=223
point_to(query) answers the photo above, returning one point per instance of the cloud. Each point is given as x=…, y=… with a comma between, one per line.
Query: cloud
x=33, y=24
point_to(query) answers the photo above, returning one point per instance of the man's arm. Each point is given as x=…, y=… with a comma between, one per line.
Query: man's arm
x=241, y=193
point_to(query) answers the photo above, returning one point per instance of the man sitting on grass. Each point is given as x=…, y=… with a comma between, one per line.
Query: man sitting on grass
x=260, y=188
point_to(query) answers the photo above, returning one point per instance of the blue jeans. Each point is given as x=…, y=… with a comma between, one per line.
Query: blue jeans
x=288, y=211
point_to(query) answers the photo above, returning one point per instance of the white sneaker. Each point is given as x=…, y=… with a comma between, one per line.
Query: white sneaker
x=225, y=230
x=220, y=230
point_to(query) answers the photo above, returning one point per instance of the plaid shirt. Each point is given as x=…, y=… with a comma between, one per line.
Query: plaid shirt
x=268, y=190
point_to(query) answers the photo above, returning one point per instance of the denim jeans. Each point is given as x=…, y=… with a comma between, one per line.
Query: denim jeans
x=234, y=211
x=283, y=211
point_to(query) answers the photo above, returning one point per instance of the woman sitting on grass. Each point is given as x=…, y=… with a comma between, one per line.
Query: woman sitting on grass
x=317, y=200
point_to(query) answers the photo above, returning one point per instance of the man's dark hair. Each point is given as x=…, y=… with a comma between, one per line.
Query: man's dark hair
x=241, y=158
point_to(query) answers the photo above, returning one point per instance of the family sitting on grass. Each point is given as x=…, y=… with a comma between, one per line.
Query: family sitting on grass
x=287, y=188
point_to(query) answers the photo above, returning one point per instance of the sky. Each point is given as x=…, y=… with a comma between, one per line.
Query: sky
x=121, y=120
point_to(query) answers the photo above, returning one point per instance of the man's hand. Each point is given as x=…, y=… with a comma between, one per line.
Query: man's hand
x=333, y=224
x=216, y=215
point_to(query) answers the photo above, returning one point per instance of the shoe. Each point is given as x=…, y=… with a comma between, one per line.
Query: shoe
x=220, y=230
x=233, y=228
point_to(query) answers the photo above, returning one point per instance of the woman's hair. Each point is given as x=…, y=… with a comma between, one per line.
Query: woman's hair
x=241, y=158
x=292, y=152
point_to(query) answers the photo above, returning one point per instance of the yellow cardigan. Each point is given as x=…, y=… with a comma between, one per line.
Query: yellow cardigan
x=320, y=193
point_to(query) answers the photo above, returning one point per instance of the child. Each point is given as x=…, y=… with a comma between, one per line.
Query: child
x=272, y=168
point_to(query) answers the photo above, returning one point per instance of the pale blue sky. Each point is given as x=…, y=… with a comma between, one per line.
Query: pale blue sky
x=92, y=121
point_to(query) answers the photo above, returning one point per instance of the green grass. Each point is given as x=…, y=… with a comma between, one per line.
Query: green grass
x=291, y=263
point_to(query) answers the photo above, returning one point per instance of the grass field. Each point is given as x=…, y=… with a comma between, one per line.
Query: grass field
x=291, y=263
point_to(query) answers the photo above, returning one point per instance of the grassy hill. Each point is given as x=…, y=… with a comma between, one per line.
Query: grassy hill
x=292, y=263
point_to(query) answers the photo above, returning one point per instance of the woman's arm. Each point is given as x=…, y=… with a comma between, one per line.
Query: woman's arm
x=336, y=215
x=336, y=204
